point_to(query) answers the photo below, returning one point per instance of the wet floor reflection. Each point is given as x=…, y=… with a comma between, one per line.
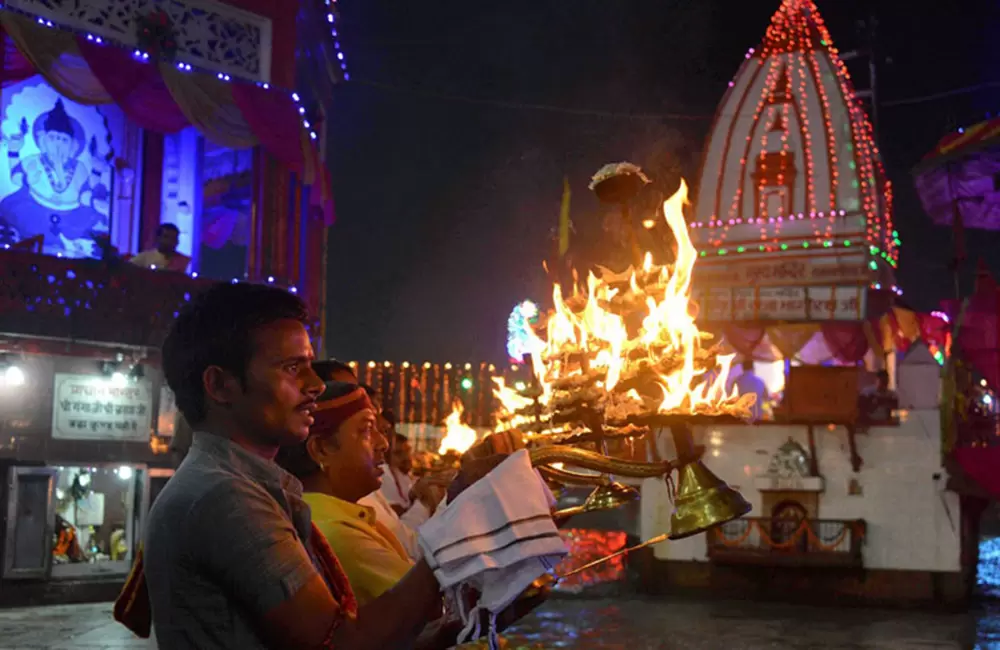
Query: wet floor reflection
x=988, y=571
x=608, y=624
x=678, y=625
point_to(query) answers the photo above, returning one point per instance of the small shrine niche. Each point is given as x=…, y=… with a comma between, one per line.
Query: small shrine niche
x=788, y=488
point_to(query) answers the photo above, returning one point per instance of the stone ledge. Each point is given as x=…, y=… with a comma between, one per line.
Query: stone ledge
x=791, y=484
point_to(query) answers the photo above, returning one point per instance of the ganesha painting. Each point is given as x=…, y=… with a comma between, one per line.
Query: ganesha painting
x=57, y=188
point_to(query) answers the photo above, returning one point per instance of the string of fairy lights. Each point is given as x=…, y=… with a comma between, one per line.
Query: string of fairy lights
x=795, y=42
x=426, y=392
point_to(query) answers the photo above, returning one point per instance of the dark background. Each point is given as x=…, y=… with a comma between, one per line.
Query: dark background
x=451, y=141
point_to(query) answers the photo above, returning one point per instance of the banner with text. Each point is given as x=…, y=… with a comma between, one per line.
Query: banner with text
x=781, y=303
x=798, y=271
x=91, y=407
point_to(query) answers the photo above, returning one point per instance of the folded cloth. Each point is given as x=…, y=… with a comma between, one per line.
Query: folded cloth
x=497, y=538
x=132, y=608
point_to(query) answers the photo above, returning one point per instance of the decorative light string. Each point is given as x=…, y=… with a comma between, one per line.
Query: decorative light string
x=805, y=46
x=437, y=384
x=875, y=251
x=331, y=19
x=144, y=57
x=773, y=70
x=872, y=174
x=800, y=216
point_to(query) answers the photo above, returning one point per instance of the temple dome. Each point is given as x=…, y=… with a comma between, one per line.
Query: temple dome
x=790, y=163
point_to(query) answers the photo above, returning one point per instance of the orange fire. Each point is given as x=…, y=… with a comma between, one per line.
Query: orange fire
x=588, y=352
x=458, y=436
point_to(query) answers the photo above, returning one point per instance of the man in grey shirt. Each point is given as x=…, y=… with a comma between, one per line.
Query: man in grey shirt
x=227, y=557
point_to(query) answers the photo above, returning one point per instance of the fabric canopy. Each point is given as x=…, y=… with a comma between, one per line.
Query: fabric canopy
x=979, y=335
x=811, y=343
x=844, y=342
x=161, y=98
x=957, y=178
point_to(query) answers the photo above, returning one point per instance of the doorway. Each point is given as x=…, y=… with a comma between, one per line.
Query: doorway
x=786, y=519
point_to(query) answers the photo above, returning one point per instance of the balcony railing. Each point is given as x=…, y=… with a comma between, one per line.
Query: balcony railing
x=788, y=542
x=89, y=300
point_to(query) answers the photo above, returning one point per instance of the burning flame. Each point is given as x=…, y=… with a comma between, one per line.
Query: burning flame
x=593, y=352
x=458, y=437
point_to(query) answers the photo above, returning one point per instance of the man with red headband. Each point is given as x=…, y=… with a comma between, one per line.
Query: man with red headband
x=339, y=465
x=425, y=495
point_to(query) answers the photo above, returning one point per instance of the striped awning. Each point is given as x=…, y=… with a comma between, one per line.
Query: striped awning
x=964, y=141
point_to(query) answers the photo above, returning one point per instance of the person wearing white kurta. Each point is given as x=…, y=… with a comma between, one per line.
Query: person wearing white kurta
x=403, y=527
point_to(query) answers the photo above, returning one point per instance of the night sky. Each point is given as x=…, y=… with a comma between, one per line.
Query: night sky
x=451, y=141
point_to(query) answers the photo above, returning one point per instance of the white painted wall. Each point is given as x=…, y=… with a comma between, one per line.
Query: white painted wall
x=913, y=524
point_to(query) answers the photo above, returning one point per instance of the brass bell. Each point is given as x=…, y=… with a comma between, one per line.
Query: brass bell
x=703, y=501
x=605, y=497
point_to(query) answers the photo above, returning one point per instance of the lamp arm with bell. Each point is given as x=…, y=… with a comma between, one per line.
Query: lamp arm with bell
x=703, y=501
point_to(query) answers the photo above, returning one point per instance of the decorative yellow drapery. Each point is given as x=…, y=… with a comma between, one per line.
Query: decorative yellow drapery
x=206, y=102
x=208, y=106
x=56, y=57
x=792, y=337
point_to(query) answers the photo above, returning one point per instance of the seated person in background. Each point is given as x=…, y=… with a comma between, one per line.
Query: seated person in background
x=876, y=403
x=165, y=256
x=749, y=383
x=428, y=492
x=398, y=484
x=67, y=546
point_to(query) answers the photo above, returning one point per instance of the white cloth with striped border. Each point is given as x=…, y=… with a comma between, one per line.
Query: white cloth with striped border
x=497, y=537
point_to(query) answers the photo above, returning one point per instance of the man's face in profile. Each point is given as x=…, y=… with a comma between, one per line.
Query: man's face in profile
x=402, y=456
x=280, y=388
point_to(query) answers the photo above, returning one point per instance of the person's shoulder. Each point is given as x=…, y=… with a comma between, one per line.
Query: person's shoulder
x=142, y=258
x=188, y=487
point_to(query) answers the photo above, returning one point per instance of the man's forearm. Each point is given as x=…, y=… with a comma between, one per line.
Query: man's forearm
x=393, y=619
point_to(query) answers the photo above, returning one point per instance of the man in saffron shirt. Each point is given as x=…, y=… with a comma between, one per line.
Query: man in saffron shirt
x=224, y=560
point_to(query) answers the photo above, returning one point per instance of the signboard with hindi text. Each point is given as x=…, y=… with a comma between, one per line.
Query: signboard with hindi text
x=813, y=303
x=783, y=271
x=92, y=407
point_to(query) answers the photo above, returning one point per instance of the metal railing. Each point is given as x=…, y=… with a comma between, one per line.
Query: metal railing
x=91, y=300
